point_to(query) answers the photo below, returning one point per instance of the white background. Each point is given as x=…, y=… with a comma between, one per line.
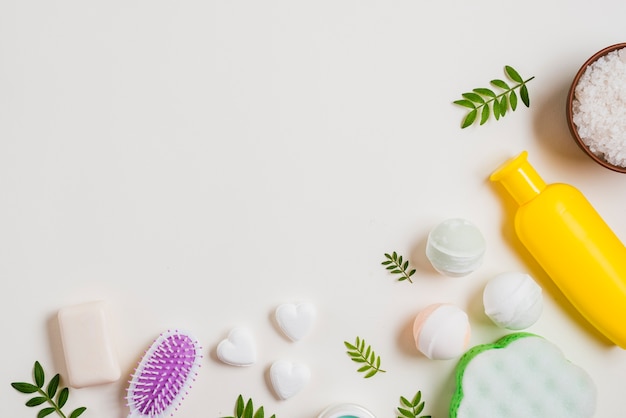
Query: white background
x=197, y=163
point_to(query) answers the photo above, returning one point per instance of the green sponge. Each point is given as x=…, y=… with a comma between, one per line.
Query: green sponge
x=519, y=376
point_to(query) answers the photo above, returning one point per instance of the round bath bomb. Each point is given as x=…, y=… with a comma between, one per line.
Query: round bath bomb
x=513, y=300
x=441, y=331
x=455, y=247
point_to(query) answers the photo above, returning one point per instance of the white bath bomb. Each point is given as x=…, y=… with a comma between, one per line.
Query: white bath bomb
x=441, y=331
x=455, y=247
x=513, y=300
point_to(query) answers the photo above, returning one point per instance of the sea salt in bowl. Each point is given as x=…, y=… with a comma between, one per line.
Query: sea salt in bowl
x=596, y=107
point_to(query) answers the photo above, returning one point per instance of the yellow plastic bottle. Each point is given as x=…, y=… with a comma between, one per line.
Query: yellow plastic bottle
x=572, y=243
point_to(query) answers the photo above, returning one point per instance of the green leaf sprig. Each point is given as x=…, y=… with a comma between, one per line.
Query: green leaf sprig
x=359, y=352
x=397, y=265
x=246, y=410
x=479, y=100
x=412, y=408
x=47, y=395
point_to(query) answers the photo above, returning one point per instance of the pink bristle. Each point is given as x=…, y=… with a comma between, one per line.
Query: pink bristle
x=163, y=376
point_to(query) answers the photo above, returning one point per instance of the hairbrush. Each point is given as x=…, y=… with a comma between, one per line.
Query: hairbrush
x=163, y=376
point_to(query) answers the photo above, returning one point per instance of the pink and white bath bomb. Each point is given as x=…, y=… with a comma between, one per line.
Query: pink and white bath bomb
x=442, y=331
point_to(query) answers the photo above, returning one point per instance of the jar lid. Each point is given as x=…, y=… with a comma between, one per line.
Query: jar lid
x=347, y=410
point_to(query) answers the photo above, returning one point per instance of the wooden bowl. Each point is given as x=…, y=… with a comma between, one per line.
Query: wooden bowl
x=570, y=113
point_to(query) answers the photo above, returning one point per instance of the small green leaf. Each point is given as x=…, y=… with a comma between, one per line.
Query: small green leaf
x=240, y=406
x=406, y=413
x=260, y=413
x=484, y=115
x=500, y=83
x=24, y=387
x=39, y=378
x=77, y=412
x=45, y=412
x=485, y=92
x=513, y=100
x=523, y=92
x=412, y=409
x=53, y=385
x=492, y=103
x=473, y=97
x=514, y=75
x=503, y=106
x=496, y=109
x=63, y=395
x=469, y=119
x=465, y=103
x=245, y=409
x=365, y=355
x=39, y=375
x=36, y=401
x=399, y=266
x=247, y=413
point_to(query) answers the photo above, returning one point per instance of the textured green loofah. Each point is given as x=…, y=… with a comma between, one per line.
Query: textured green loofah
x=519, y=376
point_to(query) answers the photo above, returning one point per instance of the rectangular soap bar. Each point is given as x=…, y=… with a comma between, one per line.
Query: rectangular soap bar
x=90, y=357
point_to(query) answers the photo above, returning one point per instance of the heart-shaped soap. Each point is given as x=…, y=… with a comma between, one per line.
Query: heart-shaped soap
x=239, y=349
x=294, y=320
x=288, y=378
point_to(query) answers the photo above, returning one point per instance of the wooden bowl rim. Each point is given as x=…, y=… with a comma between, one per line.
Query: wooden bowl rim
x=570, y=112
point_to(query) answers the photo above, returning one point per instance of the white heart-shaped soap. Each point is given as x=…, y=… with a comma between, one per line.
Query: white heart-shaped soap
x=296, y=321
x=288, y=378
x=239, y=349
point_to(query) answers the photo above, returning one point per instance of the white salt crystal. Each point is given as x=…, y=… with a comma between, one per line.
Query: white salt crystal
x=599, y=107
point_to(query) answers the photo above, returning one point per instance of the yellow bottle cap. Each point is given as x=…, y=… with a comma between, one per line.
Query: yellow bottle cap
x=519, y=178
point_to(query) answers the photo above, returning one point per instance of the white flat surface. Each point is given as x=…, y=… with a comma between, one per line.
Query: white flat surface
x=196, y=164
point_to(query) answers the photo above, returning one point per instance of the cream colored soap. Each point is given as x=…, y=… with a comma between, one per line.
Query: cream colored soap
x=90, y=357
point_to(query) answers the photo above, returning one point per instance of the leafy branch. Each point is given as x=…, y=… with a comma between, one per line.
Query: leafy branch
x=397, y=265
x=46, y=395
x=360, y=353
x=480, y=99
x=412, y=408
x=246, y=410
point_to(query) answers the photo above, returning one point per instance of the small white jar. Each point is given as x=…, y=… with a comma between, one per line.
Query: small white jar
x=346, y=410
